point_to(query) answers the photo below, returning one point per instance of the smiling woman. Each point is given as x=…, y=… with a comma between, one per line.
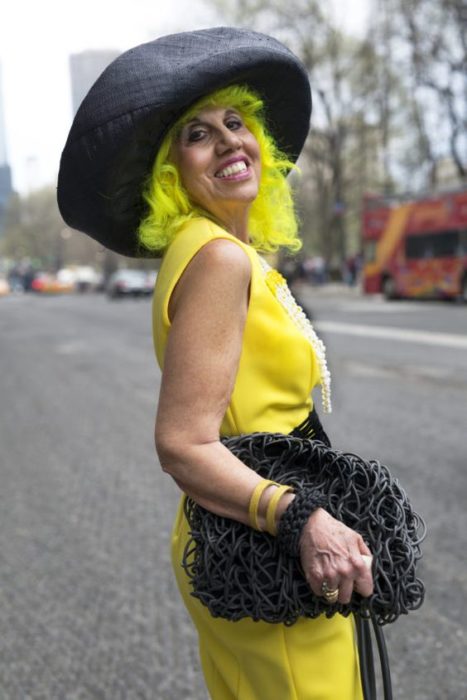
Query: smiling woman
x=194, y=157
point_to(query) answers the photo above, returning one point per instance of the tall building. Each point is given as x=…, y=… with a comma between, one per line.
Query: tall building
x=85, y=68
x=6, y=189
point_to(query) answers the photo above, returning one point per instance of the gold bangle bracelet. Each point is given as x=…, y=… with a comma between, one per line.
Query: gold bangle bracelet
x=258, y=491
x=271, y=525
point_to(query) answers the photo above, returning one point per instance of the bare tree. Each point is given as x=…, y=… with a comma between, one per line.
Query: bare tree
x=432, y=38
x=343, y=156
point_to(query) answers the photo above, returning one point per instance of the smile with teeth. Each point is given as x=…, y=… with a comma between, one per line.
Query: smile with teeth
x=234, y=169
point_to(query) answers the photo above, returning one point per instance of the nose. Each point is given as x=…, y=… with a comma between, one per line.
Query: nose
x=228, y=140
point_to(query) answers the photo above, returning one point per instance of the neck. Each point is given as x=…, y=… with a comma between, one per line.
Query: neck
x=235, y=221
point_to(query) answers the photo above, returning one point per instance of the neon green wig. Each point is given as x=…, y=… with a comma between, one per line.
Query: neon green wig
x=272, y=219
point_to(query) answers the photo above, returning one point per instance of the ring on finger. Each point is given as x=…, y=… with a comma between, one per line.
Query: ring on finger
x=329, y=594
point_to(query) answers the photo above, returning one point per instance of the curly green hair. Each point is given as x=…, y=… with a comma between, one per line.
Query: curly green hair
x=272, y=218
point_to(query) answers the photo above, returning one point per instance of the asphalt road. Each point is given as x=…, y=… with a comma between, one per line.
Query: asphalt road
x=88, y=606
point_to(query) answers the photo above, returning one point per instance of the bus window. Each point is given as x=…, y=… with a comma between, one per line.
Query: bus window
x=446, y=244
x=418, y=247
x=442, y=244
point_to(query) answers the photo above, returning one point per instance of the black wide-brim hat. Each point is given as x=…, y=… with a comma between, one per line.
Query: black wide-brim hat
x=121, y=122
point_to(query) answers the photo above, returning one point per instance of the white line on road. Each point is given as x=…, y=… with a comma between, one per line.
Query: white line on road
x=380, y=307
x=449, y=340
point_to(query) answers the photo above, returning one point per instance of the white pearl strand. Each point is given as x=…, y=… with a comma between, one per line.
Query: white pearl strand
x=296, y=313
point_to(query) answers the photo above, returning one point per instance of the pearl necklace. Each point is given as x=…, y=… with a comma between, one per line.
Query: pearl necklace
x=281, y=291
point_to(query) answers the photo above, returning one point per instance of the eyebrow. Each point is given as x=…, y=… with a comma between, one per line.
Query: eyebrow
x=197, y=120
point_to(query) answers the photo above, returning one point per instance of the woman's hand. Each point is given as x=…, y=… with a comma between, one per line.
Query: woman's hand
x=332, y=553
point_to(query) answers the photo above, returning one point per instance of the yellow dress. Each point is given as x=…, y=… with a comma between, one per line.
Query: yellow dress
x=246, y=660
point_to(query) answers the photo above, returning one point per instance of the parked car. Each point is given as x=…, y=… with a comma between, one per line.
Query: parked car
x=83, y=278
x=46, y=283
x=130, y=283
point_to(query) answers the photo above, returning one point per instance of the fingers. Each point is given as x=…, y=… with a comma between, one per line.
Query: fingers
x=334, y=555
x=347, y=577
x=364, y=584
x=345, y=591
x=318, y=584
x=364, y=587
x=356, y=577
x=364, y=550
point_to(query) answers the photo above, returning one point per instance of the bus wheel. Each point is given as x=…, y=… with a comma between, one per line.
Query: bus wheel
x=389, y=288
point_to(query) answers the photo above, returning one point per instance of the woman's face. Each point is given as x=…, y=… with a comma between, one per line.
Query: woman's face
x=219, y=161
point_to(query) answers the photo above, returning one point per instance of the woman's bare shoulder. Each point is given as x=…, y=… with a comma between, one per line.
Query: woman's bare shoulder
x=222, y=259
x=220, y=270
x=221, y=252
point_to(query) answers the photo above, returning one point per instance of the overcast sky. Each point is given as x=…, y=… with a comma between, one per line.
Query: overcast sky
x=36, y=39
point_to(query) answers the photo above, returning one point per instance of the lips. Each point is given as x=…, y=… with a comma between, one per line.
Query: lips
x=233, y=167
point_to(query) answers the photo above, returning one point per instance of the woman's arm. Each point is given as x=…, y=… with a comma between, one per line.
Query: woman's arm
x=208, y=311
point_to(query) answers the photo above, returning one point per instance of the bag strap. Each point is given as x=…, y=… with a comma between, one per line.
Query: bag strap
x=367, y=666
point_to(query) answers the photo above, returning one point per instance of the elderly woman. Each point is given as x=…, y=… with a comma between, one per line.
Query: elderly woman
x=236, y=355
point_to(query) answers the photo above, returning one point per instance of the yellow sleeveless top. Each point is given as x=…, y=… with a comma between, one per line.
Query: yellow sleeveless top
x=278, y=366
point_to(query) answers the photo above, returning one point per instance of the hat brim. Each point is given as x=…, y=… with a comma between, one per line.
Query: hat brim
x=118, y=129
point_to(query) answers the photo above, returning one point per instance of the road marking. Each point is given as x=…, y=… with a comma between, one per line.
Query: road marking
x=380, y=307
x=449, y=340
x=407, y=372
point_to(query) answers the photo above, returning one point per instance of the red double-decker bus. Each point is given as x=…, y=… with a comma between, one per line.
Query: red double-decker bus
x=416, y=247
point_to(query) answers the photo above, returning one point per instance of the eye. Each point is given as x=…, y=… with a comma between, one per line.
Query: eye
x=234, y=123
x=196, y=134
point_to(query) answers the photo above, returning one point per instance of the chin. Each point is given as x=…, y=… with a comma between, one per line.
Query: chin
x=247, y=195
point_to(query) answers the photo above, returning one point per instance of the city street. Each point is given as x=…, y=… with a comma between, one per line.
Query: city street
x=89, y=609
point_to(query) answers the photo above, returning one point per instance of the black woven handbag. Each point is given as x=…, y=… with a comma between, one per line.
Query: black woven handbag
x=239, y=572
